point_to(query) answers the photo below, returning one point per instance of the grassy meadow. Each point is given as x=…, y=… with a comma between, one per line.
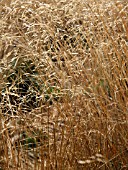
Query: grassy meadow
x=63, y=85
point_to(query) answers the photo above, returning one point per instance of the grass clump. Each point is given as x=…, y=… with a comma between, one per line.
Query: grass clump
x=64, y=85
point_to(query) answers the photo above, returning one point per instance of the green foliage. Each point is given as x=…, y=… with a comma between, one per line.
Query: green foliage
x=22, y=86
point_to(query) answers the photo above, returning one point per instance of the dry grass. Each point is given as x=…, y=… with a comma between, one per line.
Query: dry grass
x=64, y=85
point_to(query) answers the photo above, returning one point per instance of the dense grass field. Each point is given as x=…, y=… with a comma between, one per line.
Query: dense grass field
x=64, y=85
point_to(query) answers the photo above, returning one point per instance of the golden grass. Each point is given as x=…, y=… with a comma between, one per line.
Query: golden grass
x=64, y=85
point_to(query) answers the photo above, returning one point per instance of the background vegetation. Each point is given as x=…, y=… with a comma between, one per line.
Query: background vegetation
x=64, y=85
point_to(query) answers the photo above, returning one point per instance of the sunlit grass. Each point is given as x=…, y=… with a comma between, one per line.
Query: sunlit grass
x=64, y=85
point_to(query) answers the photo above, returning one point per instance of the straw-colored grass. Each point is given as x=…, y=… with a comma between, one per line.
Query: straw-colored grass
x=64, y=85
